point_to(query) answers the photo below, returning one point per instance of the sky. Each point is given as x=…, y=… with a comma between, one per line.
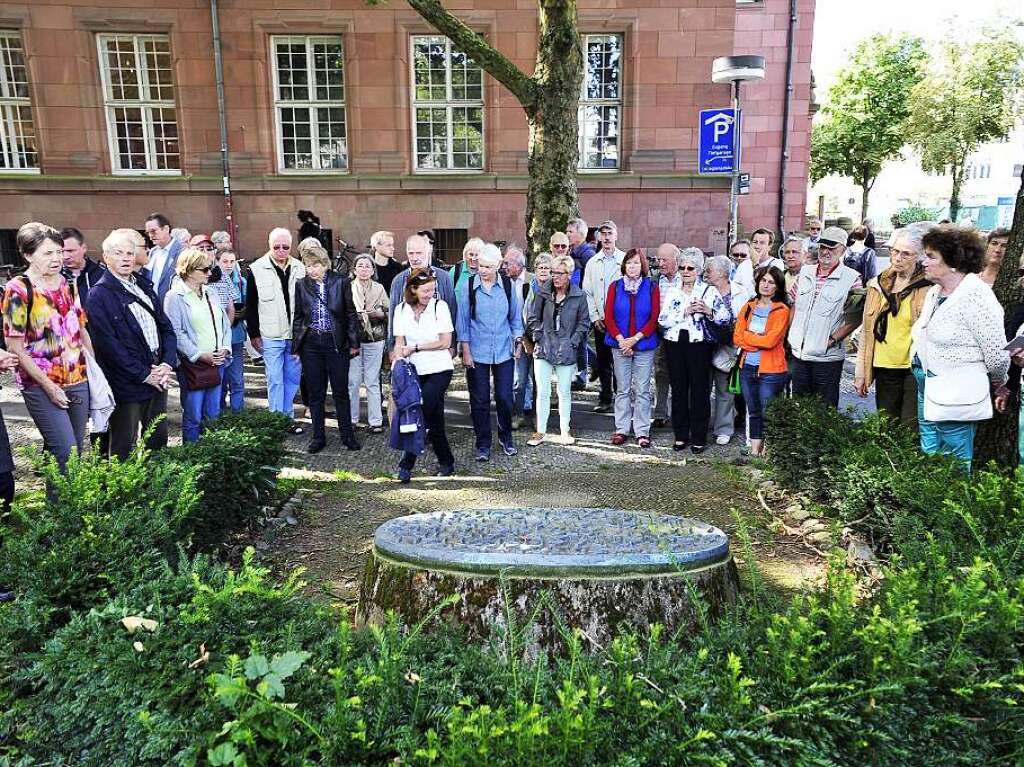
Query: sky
x=839, y=24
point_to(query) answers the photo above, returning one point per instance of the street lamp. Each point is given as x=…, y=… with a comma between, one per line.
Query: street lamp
x=735, y=70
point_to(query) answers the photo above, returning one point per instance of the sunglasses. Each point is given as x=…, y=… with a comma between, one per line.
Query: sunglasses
x=205, y=269
x=560, y=274
x=207, y=248
x=687, y=268
x=738, y=255
x=282, y=247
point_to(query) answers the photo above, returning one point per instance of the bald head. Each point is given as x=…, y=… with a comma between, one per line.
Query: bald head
x=668, y=260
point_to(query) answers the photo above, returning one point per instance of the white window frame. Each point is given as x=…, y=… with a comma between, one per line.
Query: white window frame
x=584, y=102
x=311, y=104
x=144, y=104
x=448, y=105
x=9, y=102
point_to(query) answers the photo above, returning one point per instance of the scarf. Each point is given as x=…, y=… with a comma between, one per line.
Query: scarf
x=631, y=285
x=886, y=280
x=367, y=301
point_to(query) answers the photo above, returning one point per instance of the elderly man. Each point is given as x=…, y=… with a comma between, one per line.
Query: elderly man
x=269, y=304
x=822, y=320
x=514, y=266
x=794, y=255
x=668, y=267
x=580, y=250
x=135, y=346
x=417, y=251
x=601, y=271
x=490, y=328
x=79, y=270
x=382, y=245
x=814, y=231
x=163, y=256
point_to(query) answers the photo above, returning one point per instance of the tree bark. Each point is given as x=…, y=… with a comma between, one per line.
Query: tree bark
x=866, y=182
x=997, y=438
x=549, y=98
x=954, y=195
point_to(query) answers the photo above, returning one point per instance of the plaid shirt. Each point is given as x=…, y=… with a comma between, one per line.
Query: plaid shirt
x=144, y=318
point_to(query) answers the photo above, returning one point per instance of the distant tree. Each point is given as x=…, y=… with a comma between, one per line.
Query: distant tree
x=914, y=213
x=969, y=96
x=866, y=111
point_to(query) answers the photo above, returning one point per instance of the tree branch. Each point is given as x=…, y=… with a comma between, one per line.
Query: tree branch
x=476, y=47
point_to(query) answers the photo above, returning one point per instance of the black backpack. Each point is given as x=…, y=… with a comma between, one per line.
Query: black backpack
x=506, y=283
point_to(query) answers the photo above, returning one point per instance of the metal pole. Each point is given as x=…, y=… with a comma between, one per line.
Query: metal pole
x=218, y=65
x=737, y=144
x=784, y=155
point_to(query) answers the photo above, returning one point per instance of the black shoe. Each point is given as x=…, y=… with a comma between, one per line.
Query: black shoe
x=446, y=471
x=350, y=443
x=603, y=407
x=659, y=423
x=679, y=445
x=315, y=446
x=696, y=449
x=578, y=385
x=404, y=476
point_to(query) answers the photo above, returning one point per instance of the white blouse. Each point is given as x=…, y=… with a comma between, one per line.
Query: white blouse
x=435, y=320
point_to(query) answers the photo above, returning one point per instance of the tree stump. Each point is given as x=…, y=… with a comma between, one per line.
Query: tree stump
x=600, y=570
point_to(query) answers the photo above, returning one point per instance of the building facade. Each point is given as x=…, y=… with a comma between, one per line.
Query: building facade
x=369, y=118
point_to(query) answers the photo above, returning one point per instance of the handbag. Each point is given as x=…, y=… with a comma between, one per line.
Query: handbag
x=199, y=376
x=961, y=396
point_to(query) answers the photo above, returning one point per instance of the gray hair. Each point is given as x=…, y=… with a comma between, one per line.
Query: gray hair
x=694, y=255
x=218, y=238
x=308, y=244
x=421, y=238
x=490, y=255
x=801, y=241
x=515, y=252
x=578, y=225
x=181, y=233
x=116, y=238
x=914, y=234
x=279, y=231
x=473, y=242
x=723, y=264
x=544, y=259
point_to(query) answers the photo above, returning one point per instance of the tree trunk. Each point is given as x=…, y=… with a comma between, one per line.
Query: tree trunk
x=866, y=182
x=954, y=196
x=550, y=99
x=997, y=438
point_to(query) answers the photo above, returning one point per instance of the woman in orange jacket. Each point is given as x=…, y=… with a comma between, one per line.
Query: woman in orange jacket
x=760, y=336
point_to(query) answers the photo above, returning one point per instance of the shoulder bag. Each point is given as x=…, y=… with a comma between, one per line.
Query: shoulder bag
x=199, y=376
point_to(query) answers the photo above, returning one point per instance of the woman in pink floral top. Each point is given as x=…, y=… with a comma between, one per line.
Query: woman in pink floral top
x=45, y=327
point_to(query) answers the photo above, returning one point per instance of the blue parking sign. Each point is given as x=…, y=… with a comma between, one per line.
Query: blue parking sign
x=716, y=150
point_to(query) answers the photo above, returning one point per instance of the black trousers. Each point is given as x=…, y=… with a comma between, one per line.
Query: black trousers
x=896, y=394
x=433, y=386
x=605, y=368
x=818, y=378
x=129, y=417
x=689, y=371
x=323, y=364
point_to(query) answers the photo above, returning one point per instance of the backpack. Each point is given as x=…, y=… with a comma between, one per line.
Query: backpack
x=506, y=283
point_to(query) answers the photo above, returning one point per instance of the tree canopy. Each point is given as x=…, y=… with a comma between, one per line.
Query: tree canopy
x=865, y=116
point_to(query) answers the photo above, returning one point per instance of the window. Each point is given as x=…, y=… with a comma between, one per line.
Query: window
x=9, y=255
x=17, y=132
x=138, y=93
x=309, y=99
x=448, y=244
x=601, y=102
x=447, y=107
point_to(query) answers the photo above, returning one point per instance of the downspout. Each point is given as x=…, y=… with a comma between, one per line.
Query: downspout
x=218, y=65
x=784, y=156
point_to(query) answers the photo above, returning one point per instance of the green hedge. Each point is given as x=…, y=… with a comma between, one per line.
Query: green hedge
x=925, y=670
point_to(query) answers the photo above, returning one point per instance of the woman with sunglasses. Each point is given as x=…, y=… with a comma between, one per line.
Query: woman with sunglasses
x=203, y=331
x=44, y=326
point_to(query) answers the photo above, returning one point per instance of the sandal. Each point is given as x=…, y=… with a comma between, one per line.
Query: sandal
x=643, y=441
x=618, y=439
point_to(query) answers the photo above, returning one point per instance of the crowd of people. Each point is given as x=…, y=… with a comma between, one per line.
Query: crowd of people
x=679, y=340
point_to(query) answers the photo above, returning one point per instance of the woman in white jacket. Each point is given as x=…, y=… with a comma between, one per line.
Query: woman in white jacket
x=957, y=354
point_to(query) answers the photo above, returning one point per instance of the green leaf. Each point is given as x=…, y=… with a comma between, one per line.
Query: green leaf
x=271, y=686
x=256, y=666
x=223, y=755
x=288, y=663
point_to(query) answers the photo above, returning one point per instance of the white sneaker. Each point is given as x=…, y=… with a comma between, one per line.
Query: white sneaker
x=722, y=439
x=566, y=439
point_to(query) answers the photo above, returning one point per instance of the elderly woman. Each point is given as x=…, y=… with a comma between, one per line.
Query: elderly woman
x=203, y=333
x=325, y=335
x=231, y=288
x=631, y=331
x=892, y=305
x=489, y=324
x=957, y=353
x=558, y=322
x=998, y=240
x=469, y=265
x=44, y=326
x=723, y=415
x=688, y=313
x=371, y=307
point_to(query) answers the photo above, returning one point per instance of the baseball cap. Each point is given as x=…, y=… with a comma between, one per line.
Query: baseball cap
x=609, y=224
x=200, y=239
x=834, y=235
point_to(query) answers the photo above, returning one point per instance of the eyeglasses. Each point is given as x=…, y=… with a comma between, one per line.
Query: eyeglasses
x=205, y=269
x=815, y=228
x=560, y=274
x=559, y=246
x=282, y=247
x=207, y=248
x=687, y=268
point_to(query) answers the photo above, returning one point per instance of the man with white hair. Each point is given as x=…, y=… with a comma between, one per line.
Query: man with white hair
x=601, y=271
x=580, y=250
x=514, y=266
x=417, y=251
x=382, y=245
x=270, y=300
x=489, y=323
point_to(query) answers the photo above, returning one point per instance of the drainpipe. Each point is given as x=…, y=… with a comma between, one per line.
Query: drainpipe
x=218, y=65
x=784, y=156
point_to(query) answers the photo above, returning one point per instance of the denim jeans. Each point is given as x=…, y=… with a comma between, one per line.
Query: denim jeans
x=283, y=373
x=953, y=438
x=522, y=384
x=197, y=406
x=758, y=391
x=478, y=378
x=820, y=378
x=232, y=377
